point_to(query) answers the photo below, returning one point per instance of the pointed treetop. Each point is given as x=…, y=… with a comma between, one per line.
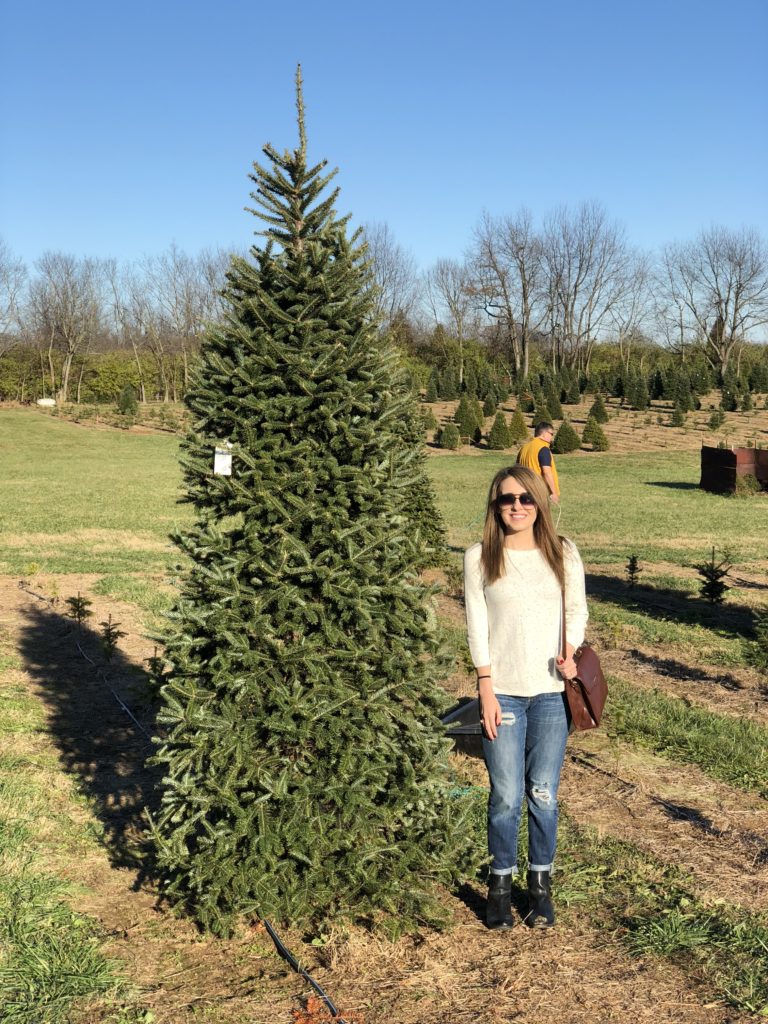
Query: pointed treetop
x=300, y=111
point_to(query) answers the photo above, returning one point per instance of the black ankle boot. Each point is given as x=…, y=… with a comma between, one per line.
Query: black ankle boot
x=541, y=913
x=498, y=909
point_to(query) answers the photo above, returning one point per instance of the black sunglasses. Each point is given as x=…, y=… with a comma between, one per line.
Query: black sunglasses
x=508, y=500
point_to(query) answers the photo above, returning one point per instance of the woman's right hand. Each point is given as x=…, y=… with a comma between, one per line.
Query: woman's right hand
x=490, y=709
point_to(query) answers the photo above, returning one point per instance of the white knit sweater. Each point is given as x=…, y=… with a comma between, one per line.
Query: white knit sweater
x=513, y=625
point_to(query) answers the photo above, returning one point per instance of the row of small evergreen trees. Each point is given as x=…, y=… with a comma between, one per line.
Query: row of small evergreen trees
x=479, y=379
x=679, y=385
x=503, y=435
x=469, y=424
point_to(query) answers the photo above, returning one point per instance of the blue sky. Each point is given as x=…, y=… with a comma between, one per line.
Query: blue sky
x=124, y=128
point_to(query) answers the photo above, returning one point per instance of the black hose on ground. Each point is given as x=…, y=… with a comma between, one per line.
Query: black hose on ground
x=286, y=954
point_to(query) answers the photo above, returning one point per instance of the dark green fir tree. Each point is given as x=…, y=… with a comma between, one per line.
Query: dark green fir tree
x=428, y=418
x=518, y=428
x=449, y=437
x=470, y=384
x=306, y=774
x=598, y=411
x=594, y=435
x=677, y=419
x=566, y=439
x=419, y=506
x=499, y=438
x=552, y=399
x=464, y=417
x=541, y=412
x=572, y=390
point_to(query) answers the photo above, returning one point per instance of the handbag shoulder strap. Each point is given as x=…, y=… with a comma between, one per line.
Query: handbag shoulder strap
x=562, y=624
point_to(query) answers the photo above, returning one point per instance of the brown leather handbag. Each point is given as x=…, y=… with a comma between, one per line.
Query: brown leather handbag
x=587, y=693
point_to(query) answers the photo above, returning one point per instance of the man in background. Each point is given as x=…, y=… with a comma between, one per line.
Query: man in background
x=535, y=454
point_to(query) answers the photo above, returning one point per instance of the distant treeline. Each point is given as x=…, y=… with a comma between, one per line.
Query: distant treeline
x=440, y=369
x=569, y=297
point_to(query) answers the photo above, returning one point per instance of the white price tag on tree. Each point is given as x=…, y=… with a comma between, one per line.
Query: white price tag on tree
x=222, y=461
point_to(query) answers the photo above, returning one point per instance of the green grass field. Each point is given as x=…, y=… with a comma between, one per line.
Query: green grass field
x=75, y=499
x=81, y=500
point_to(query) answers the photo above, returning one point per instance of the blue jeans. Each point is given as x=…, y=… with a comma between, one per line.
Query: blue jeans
x=525, y=759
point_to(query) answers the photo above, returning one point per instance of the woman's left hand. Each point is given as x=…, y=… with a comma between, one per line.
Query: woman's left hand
x=567, y=666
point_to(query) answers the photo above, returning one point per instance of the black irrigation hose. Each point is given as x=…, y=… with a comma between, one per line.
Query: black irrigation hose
x=282, y=949
x=286, y=954
x=123, y=705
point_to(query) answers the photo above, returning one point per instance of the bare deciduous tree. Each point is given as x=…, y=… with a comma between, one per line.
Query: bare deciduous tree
x=180, y=301
x=448, y=296
x=588, y=270
x=213, y=265
x=508, y=281
x=393, y=272
x=719, y=284
x=13, y=275
x=121, y=287
x=65, y=309
x=634, y=308
x=163, y=304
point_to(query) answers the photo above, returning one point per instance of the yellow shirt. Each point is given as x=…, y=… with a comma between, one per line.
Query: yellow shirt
x=529, y=456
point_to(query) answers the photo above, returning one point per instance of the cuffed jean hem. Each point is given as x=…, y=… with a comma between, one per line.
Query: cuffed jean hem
x=540, y=867
x=504, y=871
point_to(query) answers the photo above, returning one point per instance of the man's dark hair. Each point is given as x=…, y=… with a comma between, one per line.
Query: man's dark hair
x=542, y=428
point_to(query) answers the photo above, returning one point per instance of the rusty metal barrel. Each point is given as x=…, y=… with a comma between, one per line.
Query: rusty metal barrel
x=720, y=467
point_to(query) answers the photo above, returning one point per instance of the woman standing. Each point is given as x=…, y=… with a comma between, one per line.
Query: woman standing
x=513, y=584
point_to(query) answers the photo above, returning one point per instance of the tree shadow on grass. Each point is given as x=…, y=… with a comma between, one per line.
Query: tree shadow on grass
x=755, y=844
x=679, y=670
x=682, y=812
x=98, y=742
x=664, y=604
x=675, y=485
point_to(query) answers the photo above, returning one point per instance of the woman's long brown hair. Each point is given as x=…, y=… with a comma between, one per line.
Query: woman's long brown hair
x=547, y=540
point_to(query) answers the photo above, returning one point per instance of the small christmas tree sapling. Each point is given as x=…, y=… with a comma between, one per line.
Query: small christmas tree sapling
x=518, y=428
x=598, y=412
x=594, y=435
x=111, y=635
x=449, y=437
x=127, y=403
x=633, y=571
x=713, y=574
x=464, y=417
x=678, y=416
x=79, y=609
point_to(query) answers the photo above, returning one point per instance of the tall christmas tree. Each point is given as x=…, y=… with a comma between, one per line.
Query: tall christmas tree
x=306, y=775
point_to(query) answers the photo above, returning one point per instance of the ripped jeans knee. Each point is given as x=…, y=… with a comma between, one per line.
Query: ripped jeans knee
x=540, y=794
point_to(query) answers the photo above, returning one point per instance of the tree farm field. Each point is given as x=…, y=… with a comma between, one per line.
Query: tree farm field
x=662, y=884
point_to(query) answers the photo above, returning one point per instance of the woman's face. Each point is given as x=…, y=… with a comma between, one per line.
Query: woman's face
x=518, y=515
